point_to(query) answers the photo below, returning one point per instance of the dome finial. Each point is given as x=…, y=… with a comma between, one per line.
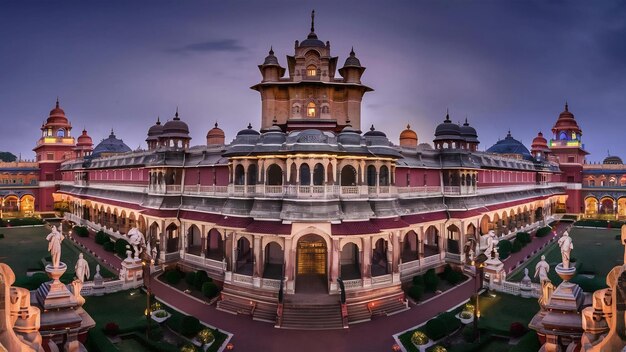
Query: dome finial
x=249, y=126
x=158, y=120
x=408, y=126
x=271, y=50
x=57, y=105
x=176, y=114
x=215, y=124
x=313, y=21
x=566, y=106
x=352, y=52
x=372, y=128
x=447, y=115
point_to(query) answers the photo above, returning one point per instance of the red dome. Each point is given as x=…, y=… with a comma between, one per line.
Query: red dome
x=57, y=117
x=408, y=138
x=84, y=140
x=540, y=144
x=566, y=122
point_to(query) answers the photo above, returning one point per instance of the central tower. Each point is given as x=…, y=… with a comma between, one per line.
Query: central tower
x=311, y=96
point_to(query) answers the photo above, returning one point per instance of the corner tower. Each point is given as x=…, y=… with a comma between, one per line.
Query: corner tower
x=311, y=96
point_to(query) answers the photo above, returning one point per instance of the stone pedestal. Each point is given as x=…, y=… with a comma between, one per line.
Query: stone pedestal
x=494, y=270
x=54, y=294
x=131, y=273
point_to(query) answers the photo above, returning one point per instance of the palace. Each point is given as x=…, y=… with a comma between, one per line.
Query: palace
x=310, y=203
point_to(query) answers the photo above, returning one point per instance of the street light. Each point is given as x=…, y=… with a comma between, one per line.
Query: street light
x=146, y=262
x=479, y=264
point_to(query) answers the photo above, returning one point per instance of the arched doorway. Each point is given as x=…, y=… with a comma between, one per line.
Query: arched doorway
x=311, y=265
x=273, y=259
x=274, y=175
x=349, y=262
x=214, y=245
x=431, y=241
x=348, y=176
x=591, y=206
x=379, y=258
x=171, y=233
x=244, y=257
x=607, y=205
x=194, y=241
x=410, y=247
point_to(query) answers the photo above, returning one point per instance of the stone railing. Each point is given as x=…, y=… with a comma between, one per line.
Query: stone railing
x=415, y=266
x=381, y=279
x=271, y=284
x=242, y=279
x=516, y=288
x=215, y=265
x=353, y=284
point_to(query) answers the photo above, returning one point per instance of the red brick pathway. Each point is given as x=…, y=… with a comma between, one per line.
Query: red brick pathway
x=372, y=336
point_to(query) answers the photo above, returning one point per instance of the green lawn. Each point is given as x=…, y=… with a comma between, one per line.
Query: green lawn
x=497, y=313
x=596, y=252
x=22, y=248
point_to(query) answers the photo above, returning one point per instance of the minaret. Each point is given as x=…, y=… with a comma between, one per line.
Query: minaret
x=311, y=96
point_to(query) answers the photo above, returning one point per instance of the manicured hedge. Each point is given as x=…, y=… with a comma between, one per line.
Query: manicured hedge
x=523, y=237
x=102, y=238
x=210, y=289
x=120, y=247
x=418, y=280
x=504, y=249
x=599, y=223
x=529, y=342
x=517, y=246
x=435, y=329
x=431, y=280
x=200, y=278
x=190, y=278
x=81, y=231
x=189, y=325
x=544, y=231
x=416, y=292
x=172, y=277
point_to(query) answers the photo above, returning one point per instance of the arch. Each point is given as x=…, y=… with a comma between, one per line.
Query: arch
x=318, y=175
x=273, y=259
x=621, y=207
x=410, y=247
x=239, y=175
x=348, y=176
x=371, y=175
x=349, y=265
x=471, y=239
x=141, y=224
x=194, y=240
x=244, y=258
x=274, y=175
x=431, y=241
x=311, y=263
x=485, y=224
x=379, y=257
x=27, y=204
x=154, y=234
x=10, y=204
x=383, y=176
x=60, y=132
x=305, y=175
x=311, y=70
x=311, y=110
x=453, y=237
x=171, y=235
x=214, y=245
x=252, y=175
x=607, y=205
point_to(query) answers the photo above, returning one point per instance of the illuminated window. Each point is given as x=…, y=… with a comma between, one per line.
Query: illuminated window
x=573, y=135
x=311, y=71
x=310, y=110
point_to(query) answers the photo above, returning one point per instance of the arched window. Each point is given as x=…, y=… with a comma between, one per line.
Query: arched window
x=563, y=136
x=310, y=109
x=274, y=175
x=348, y=176
x=239, y=175
x=383, y=176
x=60, y=132
x=318, y=175
x=311, y=71
x=371, y=176
x=305, y=175
x=252, y=173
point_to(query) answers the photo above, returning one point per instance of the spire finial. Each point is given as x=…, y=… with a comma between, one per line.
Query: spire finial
x=566, y=106
x=158, y=120
x=447, y=115
x=271, y=50
x=408, y=126
x=249, y=126
x=57, y=105
x=313, y=21
x=352, y=51
x=112, y=133
x=215, y=124
x=372, y=128
x=176, y=114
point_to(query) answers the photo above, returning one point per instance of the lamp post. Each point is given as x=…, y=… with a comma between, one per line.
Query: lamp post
x=146, y=262
x=478, y=265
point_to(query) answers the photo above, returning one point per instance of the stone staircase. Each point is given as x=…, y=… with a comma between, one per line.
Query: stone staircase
x=312, y=316
x=362, y=309
x=261, y=308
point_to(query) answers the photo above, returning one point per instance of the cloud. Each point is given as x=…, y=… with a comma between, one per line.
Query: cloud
x=223, y=45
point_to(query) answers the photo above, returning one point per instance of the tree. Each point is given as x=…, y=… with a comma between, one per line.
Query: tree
x=7, y=156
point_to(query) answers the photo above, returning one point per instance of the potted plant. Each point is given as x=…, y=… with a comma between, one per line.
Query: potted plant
x=420, y=340
x=205, y=338
x=160, y=315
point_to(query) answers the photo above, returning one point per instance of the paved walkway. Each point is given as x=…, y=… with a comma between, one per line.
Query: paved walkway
x=375, y=336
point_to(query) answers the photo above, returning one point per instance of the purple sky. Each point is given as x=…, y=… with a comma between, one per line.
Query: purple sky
x=504, y=64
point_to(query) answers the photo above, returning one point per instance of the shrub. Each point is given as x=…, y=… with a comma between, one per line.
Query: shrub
x=504, y=248
x=523, y=237
x=446, y=270
x=416, y=292
x=451, y=322
x=454, y=277
x=172, y=277
x=419, y=338
x=111, y=329
x=102, y=238
x=190, y=278
x=469, y=334
x=109, y=247
x=418, y=280
x=517, y=329
x=435, y=329
x=188, y=348
x=544, y=231
x=517, y=246
x=205, y=336
x=81, y=231
x=120, y=247
x=200, y=278
x=189, y=325
x=156, y=334
x=431, y=280
x=210, y=289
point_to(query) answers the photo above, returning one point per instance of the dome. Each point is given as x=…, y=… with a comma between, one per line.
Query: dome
x=612, y=159
x=215, y=132
x=408, y=138
x=111, y=145
x=566, y=121
x=84, y=140
x=424, y=146
x=311, y=136
x=155, y=131
x=373, y=133
x=311, y=40
x=447, y=130
x=57, y=116
x=248, y=131
x=175, y=128
x=273, y=135
x=352, y=60
x=539, y=143
x=468, y=133
x=270, y=59
x=510, y=145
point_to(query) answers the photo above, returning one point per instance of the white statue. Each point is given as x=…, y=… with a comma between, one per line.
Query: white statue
x=624, y=241
x=54, y=245
x=136, y=239
x=542, y=268
x=491, y=242
x=565, y=242
x=82, y=269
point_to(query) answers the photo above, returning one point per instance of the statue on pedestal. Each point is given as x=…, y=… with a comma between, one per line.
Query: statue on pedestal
x=82, y=269
x=136, y=239
x=542, y=268
x=54, y=246
x=565, y=242
x=492, y=240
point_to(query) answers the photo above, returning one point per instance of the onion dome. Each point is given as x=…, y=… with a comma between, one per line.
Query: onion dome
x=311, y=40
x=510, y=146
x=111, y=145
x=175, y=128
x=155, y=131
x=612, y=160
x=448, y=130
x=248, y=131
x=84, y=140
x=215, y=136
x=57, y=116
x=468, y=133
x=408, y=138
x=271, y=59
x=539, y=143
x=373, y=133
x=352, y=60
x=566, y=121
